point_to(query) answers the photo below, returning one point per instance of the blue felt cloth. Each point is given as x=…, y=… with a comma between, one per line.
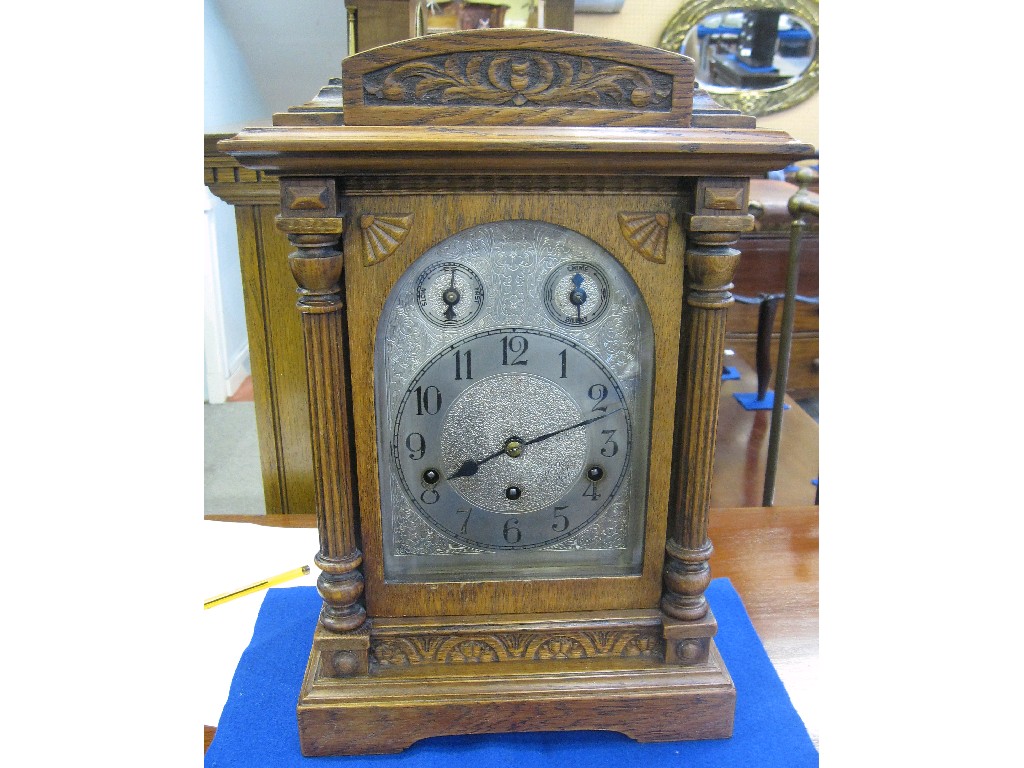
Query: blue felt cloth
x=703, y=31
x=748, y=68
x=791, y=35
x=730, y=373
x=750, y=402
x=258, y=728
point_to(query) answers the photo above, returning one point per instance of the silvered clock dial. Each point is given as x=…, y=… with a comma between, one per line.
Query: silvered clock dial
x=513, y=390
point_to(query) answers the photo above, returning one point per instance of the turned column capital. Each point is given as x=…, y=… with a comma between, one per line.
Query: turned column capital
x=716, y=222
x=709, y=273
x=316, y=264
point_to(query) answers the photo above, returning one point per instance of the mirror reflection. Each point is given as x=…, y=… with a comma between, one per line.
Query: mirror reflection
x=740, y=49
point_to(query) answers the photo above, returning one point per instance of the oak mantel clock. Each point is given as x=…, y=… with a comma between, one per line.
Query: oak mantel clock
x=513, y=252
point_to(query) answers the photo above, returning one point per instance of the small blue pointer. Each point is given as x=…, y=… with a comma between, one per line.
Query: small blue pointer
x=578, y=297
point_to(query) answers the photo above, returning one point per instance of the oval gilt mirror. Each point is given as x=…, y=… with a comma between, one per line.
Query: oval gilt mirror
x=757, y=56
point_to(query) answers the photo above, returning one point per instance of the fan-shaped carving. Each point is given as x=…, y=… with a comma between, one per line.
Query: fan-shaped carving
x=647, y=233
x=382, y=235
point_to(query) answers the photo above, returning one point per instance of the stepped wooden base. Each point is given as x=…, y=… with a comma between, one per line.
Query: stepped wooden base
x=394, y=706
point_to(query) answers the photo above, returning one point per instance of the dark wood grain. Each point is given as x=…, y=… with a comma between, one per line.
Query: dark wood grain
x=762, y=270
x=803, y=359
x=742, y=450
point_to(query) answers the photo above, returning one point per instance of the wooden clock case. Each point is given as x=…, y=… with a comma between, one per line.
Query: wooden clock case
x=437, y=135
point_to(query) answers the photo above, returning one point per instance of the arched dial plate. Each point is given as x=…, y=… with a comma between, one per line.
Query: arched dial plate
x=513, y=424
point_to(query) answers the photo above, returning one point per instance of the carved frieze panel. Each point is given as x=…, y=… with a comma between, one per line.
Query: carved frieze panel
x=415, y=650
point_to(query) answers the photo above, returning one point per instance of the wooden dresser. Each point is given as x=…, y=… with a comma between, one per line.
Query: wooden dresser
x=762, y=270
x=276, y=351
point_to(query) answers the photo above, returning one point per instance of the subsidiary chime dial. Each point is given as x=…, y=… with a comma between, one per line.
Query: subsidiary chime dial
x=513, y=404
x=576, y=293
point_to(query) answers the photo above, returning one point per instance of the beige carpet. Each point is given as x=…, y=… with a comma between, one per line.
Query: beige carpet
x=233, y=485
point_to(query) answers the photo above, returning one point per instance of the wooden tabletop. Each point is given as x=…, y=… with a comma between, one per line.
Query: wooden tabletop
x=741, y=450
x=771, y=557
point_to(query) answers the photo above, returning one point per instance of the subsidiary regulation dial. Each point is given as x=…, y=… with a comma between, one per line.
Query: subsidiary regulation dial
x=576, y=293
x=449, y=294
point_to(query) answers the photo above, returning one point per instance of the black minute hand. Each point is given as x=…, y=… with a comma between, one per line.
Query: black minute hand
x=470, y=467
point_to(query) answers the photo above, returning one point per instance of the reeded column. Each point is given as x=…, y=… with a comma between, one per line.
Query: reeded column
x=718, y=218
x=317, y=267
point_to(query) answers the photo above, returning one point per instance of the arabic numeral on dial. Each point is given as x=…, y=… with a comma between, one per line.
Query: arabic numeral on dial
x=468, y=367
x=591, y=491
x=561, y=521
x=465, y=523
x=562, y=355
x=610, y=447
x=430, y=496
x=511, y=531
x=598, y=393
x=428, y=401
x=515, y=345
x=417, y=445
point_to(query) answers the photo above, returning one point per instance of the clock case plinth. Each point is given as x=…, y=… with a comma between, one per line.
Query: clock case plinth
x=439, y=134
x=628, y=689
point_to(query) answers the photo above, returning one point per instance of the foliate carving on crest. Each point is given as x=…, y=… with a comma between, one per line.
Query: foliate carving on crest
x=527, y=79
x=647, y=233
x=382, y=235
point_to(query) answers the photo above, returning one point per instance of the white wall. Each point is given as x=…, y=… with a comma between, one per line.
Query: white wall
x=260, y=57
x=229, y=98
x=291, y=47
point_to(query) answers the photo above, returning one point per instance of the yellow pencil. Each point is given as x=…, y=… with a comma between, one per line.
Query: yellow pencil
x=286, y=576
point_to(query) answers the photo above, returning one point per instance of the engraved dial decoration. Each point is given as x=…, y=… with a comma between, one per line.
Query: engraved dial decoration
x=576, y=293
x=501, y=459
x=449, y=294
x=513, y=371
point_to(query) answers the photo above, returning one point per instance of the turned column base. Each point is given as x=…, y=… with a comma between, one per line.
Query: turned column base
x=686, y=576
x=341, y=586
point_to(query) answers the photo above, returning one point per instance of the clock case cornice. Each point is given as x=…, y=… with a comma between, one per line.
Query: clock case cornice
x=522, y=150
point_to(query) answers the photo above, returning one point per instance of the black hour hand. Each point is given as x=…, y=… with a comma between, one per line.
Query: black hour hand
x=468, y=468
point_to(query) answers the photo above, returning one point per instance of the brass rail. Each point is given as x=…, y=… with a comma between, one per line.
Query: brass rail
x=800, y=204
